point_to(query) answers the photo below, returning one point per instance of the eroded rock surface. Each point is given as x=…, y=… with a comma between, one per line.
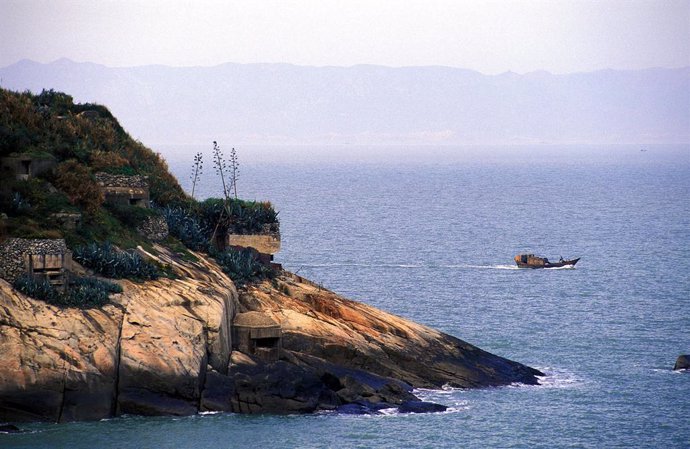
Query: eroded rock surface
x=165, y=347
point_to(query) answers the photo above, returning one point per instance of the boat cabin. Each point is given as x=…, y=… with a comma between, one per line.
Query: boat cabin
x=530, y=260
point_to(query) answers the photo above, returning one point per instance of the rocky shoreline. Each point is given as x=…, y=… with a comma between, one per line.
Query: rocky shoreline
x=170, y=347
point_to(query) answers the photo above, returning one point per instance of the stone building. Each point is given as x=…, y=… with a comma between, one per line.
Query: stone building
x=24, y=166
x=124, y=190
x=257, y=334
x=42, y=259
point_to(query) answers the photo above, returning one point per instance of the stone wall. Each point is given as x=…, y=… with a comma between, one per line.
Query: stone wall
x=124, y=190
x=12, y=252
x=108, y=180
x=154, y=229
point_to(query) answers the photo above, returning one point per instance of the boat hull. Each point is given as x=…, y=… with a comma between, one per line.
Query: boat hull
x=559, y=264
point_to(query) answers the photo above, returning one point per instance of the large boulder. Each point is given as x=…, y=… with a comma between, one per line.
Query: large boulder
x=683, y=362
x=277, y=387
x=421, y=407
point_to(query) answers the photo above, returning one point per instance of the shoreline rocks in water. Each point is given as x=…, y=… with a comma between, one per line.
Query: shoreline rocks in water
x=165, y=347
x=682, y=362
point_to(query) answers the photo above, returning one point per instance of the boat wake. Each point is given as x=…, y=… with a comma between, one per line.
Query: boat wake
x=404, y=265
x=485, y=267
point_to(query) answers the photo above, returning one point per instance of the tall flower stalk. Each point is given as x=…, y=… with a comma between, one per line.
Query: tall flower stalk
x=234, y=170
x=197, y=170
x=221, y=169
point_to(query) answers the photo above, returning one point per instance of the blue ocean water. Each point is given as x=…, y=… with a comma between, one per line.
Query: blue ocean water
x=429, y=233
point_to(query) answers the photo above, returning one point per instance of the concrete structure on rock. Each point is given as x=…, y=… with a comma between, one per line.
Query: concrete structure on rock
x=265, y=245
x=43, y=259
x=25, y=166
x=124, y=190
x=257, y=334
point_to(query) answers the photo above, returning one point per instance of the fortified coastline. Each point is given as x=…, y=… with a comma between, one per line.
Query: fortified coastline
x=165, y=347
x=184, y=333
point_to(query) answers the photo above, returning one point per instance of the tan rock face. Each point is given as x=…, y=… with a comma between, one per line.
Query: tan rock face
x=56, y=364
x=146, y=353
x=165, y=347
x=320, y=323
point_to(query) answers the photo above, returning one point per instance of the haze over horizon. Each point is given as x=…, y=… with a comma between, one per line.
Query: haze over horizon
x=490, y=37
x=343, y=72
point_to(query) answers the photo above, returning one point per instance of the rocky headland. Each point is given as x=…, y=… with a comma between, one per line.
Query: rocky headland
x=165, y=347
x=122, y=294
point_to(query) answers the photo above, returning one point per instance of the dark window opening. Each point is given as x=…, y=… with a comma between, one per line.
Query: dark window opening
x=267, y=342
x=134, y=201
x=27, y=167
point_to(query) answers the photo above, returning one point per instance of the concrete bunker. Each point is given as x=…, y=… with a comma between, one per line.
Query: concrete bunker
x=25, y=166
x=264, y=245
x=257, y=334
x=42, y=259
x=124, y=190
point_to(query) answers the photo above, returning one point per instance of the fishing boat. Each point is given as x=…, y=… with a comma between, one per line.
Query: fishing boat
x=532, y=261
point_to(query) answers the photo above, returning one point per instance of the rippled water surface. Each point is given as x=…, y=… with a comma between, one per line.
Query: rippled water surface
x=430, y=233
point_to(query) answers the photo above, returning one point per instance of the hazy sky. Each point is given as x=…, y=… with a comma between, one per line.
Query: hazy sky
x=488, y=36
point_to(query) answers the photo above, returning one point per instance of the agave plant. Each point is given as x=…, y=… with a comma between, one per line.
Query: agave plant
x=83, y=292
x=242, y=266
x=109, y=261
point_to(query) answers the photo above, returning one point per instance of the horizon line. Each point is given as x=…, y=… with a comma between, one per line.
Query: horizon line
x=327, y=66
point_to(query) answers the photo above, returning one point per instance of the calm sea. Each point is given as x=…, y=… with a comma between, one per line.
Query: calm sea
x=429, y=233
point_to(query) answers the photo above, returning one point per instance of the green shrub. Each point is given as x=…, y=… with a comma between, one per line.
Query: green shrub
x=83, y=292
x=36, y=289
x=81, y=187
x=239, y=216
x=111, y=262
x=131, y=216
x=187, y=228
x=242, y=266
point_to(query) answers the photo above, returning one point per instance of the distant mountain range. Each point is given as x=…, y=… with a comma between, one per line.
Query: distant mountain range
x=281, y=103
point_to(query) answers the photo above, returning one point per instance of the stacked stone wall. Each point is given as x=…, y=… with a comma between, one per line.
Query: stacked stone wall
x=12, y=253
x=154, y=229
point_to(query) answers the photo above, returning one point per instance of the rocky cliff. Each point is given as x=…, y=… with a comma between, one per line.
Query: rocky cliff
x=169, y=347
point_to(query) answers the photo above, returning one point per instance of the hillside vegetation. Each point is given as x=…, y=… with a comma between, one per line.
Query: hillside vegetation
x=80, y=140
x=50, y=125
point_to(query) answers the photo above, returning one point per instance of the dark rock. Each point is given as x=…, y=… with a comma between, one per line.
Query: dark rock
x=37, y=404
x=354, y=385
x=683, y=362
x=218, y=392
x=150, y=403
x=277, y=387
x=421, y=407
x=86, y=397
x=9, y=428
x=356, y=409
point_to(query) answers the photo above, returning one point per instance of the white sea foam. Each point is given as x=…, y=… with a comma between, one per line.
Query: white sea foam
x=446, y=395
x=556, y=378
